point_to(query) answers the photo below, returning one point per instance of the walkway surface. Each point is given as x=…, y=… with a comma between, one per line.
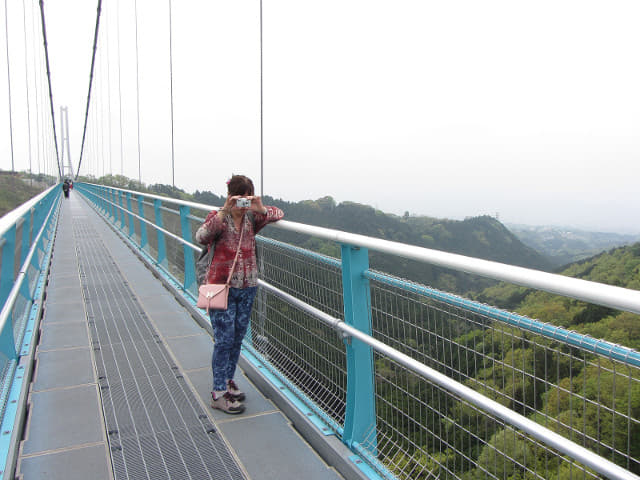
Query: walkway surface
x=122, y=379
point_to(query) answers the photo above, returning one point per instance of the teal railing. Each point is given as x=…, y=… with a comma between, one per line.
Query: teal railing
x=26, y=241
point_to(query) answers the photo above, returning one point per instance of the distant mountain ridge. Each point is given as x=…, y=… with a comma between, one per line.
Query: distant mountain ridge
x=482, y=237
x=566, y=245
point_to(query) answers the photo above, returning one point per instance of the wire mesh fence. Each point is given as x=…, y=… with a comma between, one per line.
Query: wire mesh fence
x=591, y=400
x=306, y=351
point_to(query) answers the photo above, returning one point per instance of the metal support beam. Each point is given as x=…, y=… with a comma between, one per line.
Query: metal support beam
x=360, y=414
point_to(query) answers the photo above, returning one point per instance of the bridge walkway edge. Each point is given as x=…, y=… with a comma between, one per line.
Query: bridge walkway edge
x=65, y=432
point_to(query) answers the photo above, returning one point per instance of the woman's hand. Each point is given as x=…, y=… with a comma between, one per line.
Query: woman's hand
x=229, y=203
x=256, y=205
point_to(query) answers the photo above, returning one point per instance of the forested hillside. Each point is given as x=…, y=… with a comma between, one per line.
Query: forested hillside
x=558, y=389
x=15, y=190
x=567, y=245
x=619, y=267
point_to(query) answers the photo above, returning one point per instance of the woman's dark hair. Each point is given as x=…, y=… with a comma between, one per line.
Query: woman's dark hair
x=240, y=185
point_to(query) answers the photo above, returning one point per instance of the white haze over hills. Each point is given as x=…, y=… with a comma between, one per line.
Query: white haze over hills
x=565, y=244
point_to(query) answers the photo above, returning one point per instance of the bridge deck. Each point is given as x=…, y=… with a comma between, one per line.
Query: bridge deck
x=104, y=405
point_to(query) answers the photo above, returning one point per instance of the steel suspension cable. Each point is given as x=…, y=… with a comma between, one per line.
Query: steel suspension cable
x=100, y=113
x=135, y=6
x=261, y=114
x=119, y=87
x=36, y=91
x=6, y=31
x=173, y=173
x=26, y=81
x=108, y=63
x=53, y=116
x=93, y=62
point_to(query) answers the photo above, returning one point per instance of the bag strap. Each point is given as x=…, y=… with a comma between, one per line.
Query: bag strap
x=235, y=260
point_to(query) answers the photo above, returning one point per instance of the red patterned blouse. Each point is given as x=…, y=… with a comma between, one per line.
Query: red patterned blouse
x=223, y=228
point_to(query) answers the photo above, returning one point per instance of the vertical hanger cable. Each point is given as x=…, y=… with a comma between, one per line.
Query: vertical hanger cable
x=93, y=63
x=26, y=82
x=119, y=87
x=135, y=5
x=6, y=31
x=173, y=173
x=261, y=114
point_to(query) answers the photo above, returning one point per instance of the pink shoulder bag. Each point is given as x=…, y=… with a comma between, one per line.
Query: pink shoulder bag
x=214, y=296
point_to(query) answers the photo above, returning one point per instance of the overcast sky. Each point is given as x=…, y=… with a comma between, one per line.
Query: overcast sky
x=528, y=110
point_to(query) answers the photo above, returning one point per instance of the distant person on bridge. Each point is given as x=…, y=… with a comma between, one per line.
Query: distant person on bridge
x=65, y=188
x=223, y=228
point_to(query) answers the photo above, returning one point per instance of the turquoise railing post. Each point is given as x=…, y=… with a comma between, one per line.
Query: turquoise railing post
x=162, y=248
x=104, y=197
x=360, y=413
x=112, y=204
x=130, y=209
x=7, y=267
x=189, y=264
x=100, y=200
x=143, y=226
x=94, y=194
x=105, y=200
x=91, y=194
x=116, y=210
x=121, y=211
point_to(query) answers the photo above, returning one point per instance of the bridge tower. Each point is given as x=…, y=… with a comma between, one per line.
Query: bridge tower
x=67, y=169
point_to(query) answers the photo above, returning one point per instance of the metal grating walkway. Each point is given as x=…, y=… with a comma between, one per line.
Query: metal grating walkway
x=156, y=427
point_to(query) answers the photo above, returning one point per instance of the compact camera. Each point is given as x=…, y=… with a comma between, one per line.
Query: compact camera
x=243, y=203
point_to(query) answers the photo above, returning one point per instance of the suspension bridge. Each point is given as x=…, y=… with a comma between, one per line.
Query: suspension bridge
x=350, y=372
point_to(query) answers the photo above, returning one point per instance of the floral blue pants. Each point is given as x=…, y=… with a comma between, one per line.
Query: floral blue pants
x=229, y=328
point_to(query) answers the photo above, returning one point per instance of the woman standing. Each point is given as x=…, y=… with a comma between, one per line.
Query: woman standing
x=226, y=228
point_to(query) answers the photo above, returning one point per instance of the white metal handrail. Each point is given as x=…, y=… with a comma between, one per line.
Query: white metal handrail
x=593, y=292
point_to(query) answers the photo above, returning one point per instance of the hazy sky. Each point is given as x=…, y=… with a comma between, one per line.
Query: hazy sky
x=529, y=110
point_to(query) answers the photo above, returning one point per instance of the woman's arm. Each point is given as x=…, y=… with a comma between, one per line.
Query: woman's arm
x=264, y=215
x=211, y=228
